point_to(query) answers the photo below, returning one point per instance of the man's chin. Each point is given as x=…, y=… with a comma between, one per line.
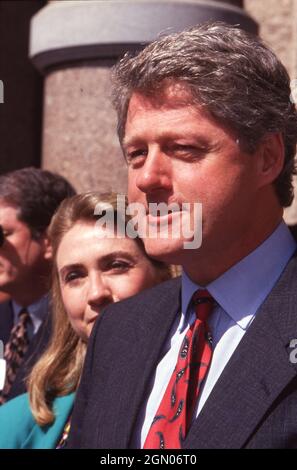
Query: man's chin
x=166, y=250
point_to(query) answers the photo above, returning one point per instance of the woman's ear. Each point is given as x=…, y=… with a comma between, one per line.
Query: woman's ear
x=271, y=158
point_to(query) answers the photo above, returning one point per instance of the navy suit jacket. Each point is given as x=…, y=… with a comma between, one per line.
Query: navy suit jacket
x=35, y=349
x=252, y=405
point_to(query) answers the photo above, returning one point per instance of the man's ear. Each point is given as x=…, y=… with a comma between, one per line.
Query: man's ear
x=48, y=251
x=271, y=158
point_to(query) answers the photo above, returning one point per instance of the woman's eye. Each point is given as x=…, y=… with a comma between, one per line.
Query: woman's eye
x=71, y=276
x=119, y=266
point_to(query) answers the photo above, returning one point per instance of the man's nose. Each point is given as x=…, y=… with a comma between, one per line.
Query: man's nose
x=99, y=291
x=155, y=174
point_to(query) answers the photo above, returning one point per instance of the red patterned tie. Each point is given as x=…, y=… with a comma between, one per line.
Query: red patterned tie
x=15, y=351
x=172, y=421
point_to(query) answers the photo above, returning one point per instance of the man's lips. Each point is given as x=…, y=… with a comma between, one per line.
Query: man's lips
x=161, y=219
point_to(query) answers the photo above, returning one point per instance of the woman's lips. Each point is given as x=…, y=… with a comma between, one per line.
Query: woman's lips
x=91, y=320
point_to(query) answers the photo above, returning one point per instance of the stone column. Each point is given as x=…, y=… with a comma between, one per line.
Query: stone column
x=279, y=31
x=74, y=44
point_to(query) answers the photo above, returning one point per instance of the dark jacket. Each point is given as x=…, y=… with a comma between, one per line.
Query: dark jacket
x=252, y=405
x=36, y=346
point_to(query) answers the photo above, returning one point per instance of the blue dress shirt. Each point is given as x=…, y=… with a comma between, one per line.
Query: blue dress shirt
x=37, y=311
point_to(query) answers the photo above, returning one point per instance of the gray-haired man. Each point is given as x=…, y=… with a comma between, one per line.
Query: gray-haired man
x=204, y=117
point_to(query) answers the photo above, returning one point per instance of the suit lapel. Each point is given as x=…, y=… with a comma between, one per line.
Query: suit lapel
x=256, y=374
x=41, y=337
x=36, y=347
x=6, y=321
x=155, y=335
x=140, y=346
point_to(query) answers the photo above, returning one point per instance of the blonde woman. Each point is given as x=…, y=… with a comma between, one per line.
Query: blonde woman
x=92, y=268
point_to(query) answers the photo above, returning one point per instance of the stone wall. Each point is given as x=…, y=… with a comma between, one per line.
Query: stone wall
x=278, y=28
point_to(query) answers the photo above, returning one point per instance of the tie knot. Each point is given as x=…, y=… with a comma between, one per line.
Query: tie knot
x=24, y=316
x=203, y=303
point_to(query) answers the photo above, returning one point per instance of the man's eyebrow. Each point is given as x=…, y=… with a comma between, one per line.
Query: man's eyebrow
x=126, y=142
x=197, y=138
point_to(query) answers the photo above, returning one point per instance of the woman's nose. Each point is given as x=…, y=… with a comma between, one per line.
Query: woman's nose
x=99, y=290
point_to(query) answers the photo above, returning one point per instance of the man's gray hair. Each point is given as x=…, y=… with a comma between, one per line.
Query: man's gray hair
x=231, y=73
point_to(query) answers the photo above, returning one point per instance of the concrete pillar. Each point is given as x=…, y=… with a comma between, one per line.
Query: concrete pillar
x=279, y=31
x=74, y=43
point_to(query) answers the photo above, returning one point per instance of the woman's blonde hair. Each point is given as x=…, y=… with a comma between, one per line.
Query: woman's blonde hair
x=58, y=371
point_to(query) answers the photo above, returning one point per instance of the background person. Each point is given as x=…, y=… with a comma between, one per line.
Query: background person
x=92, y=268
x=204, y=117
x=28, y=199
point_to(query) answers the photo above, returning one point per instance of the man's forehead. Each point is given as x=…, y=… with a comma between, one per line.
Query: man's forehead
x=176, y=96
x=169, y=95
x=8, y=212
x=7, y=206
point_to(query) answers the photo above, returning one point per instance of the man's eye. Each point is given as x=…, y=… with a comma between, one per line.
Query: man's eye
x=133, y=155
x=187, y=151
x=7, y=233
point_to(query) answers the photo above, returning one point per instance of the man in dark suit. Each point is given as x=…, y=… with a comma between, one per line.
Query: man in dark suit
x=28, y=199
x=205, y=117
